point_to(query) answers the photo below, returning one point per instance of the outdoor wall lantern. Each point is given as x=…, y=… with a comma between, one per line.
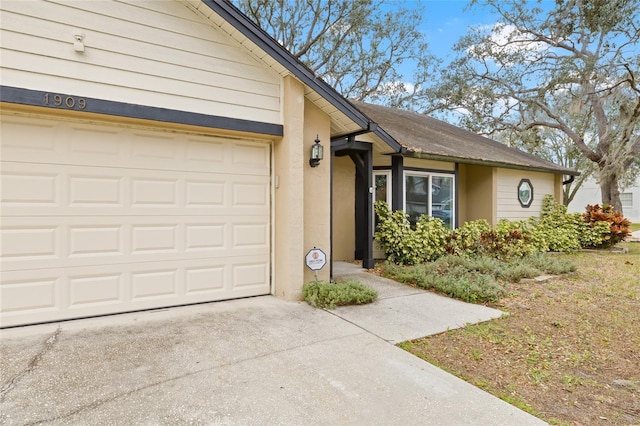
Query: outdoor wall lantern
x=316, y=153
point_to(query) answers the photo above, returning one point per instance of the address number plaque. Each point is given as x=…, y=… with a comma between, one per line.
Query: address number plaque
x=64, y=101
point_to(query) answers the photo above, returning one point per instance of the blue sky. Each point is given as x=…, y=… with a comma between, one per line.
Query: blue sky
x=446, y=21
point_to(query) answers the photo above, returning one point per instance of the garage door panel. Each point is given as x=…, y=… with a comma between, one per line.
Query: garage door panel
x=116, y=147
x=32, y=243
x=24, y=138
x=34, y=188
x=149, y=192
x=248, y=275
x=36, y=295
x=93, y=190
x=250, y=235
x=251, y=156
x=96, y=289
x=201, y=153
x=250, y=194
x=201, y=193
x=77, y=190
x=200, y=281
x=105, y=219
x=156, y=284
x=86, y=143
x=155, y=150
x=95, y=240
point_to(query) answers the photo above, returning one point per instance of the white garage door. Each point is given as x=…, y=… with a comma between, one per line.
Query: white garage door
x=100, y=219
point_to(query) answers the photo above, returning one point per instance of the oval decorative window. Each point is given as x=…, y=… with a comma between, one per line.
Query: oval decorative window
x=525, y=192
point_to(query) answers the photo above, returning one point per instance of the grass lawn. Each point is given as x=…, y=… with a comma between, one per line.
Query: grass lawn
x=635, y=227
x=569, y=350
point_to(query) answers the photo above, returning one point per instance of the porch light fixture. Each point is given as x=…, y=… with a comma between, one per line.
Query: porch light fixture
x=316, y=153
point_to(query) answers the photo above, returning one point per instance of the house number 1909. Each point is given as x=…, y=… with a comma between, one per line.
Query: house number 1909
x=71, y=102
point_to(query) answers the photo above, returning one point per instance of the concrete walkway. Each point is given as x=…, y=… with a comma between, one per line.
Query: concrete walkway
x=257, y=361
x=404, y=313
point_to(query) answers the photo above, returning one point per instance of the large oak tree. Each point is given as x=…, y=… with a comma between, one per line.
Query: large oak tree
x=565, y=79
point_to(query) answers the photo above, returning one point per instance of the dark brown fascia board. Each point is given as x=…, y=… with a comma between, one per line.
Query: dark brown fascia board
x=22, y=96
x=460, y=160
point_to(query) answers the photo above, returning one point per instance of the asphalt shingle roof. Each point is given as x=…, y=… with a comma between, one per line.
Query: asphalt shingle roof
x=428, y=137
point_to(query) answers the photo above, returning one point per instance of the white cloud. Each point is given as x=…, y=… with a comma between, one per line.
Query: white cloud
x=507, y=39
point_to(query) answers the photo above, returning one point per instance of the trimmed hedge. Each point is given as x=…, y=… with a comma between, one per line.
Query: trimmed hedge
x=555, y=230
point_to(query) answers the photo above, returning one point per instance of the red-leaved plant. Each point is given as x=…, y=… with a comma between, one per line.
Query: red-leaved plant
x=619, y=226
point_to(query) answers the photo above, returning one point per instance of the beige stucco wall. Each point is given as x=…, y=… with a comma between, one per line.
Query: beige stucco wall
x=558, y=188
x=462, y=201
x=289, y=195
x=428, y=164
x=479, y=192
x=344, y=232
x=317, y=188
x=302, y=193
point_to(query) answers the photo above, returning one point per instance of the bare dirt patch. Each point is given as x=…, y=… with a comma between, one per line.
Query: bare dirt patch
x=569, y=350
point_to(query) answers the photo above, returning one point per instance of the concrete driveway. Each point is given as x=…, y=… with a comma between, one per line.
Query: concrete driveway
x=258, y=361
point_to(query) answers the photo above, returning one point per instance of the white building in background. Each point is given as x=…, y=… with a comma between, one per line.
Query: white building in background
x=589, y=193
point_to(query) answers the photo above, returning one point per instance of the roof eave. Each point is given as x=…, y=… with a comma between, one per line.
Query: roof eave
x=479, y=162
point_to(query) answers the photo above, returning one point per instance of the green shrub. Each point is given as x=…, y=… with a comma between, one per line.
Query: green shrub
x=478, y=238
x=592, y=235
x=506, y=244
x=432, y=234
x=450, y=276
x=405, y=245
x=323, y=294
x=619, y=228
x=483, y=264
x=472, y=288
x=555, y=230
x=550, y=264
x=394, y=235
x=465, y=241
x=477, y=279
x=514, y=272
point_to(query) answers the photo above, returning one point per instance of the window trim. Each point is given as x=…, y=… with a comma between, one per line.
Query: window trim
x=429, y=175
x=386, y=173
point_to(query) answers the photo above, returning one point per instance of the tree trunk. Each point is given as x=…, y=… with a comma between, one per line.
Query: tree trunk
x=610, y=192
